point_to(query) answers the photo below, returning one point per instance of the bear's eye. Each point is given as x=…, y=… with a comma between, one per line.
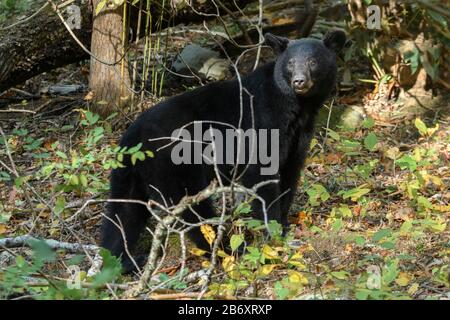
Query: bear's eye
x=291, y=64
x=312, y=63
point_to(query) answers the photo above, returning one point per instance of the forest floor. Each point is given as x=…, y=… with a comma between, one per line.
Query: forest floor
x=370, y=219
x=372, y=205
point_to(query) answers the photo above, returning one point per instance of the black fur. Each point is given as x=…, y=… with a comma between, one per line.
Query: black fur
x=287, y=95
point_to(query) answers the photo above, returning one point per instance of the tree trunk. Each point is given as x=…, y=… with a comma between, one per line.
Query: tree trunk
x=39, y=45
x=109, y=77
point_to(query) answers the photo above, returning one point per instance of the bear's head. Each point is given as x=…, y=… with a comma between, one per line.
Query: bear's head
x=306, y=67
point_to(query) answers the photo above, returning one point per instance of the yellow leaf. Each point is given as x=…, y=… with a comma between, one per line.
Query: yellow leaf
x=441, y=208
x=3, y=229
x=313, y=143
x=206, y=264
x=208, y=233
x=297, y=256
x=100, y=6
x=269, y=252
x=197, y=252
x=393, y=153
x=296, y=261
x=222, y=254
x=431, y=131
x=297, y=264
x=437, y=181
x=421, y=126
x=297, y=277
x=413, y=289
x=403, y=279
x=89, y=96
x=228, y=263
x=266, y=269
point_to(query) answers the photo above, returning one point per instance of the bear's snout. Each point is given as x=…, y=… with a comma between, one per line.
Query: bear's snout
x=302, y=84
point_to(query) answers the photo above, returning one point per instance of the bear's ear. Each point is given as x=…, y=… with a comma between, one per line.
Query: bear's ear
x=278, y=44
x=335, y=40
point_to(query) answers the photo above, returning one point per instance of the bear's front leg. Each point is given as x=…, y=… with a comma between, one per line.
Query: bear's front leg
x=269, y=193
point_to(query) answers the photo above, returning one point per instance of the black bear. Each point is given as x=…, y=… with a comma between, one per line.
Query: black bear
x=284, y=95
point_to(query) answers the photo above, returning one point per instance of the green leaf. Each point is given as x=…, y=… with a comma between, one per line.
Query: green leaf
x=362, y=294
x=133, y=159
x=21, y=262
x=334, y=135
x=368, y=123
x=91, y=117
x=75, y=260
x=275, y=228
x=406, y=227
x=421, y=126
x=281, y=291
x=438, y=17
x=388, y=245
x=253, y=256
x=60, y=205
x=381, y=234
x=140, y=155
x=254, y=224
x=83, y=180
x=435, y=226
x=360, y=240
x=407, y=162
x=135, y=149
x=18, y=182
x=316, y=192
x=337, y=225
x=243, y=208
x=5, y=176
x=111, y=269
x=235, y=241
x=345, y=211
x=74, y=181
x=370, y=141
x=413, y=57
x=424, y=202
x=341, y=275
x=390, y=272
x=354, y=194
x=35, y=144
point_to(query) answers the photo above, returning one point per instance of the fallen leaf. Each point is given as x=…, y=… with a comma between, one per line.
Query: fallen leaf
x=269, y=252
x=297, y=277
x=403, y=279
x=413, y=289
x=3, y=228
x=266, y=269
x=197, y=252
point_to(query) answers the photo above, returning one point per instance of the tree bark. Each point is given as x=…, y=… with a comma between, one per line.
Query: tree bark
x=109, y=77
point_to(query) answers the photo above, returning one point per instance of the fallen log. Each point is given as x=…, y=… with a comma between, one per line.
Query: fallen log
x=42, y=43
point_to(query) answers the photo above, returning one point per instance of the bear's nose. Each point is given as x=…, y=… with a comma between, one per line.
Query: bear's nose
x=299, y=82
